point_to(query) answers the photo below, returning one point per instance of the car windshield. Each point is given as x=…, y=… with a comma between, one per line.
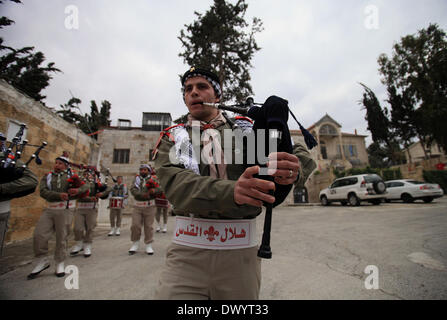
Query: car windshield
x=372, y=178
x=415, y=182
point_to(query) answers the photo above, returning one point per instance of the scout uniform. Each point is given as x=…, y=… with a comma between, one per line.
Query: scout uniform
x=118, y=190
x=144, y=212
x=85, y=217
x=57, y=217
x=19, y=187
x=214, y=251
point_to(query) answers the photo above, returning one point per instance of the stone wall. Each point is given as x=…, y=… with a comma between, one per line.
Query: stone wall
x=139, y=142
x=42, y=125
x=415, y=170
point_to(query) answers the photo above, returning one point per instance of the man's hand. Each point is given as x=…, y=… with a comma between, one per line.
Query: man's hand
x=64, y=196
x=284, y=167
x=252, y=191
x=99, y=195
x=73, y=191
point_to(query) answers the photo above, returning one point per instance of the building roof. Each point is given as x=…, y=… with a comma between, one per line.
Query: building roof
x=325, y=118
x=345, y=134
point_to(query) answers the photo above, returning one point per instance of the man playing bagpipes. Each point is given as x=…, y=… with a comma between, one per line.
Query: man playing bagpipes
x=14, y=186
x=214, y=250
x=60, y=188
x=86, y=212
x=144, y=189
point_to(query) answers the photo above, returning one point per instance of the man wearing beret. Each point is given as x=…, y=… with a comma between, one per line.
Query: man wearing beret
x=144, y=211
x=214, y=250
x=59, y=192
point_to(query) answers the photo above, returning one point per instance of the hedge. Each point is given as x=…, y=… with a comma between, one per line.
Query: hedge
x=436, y=176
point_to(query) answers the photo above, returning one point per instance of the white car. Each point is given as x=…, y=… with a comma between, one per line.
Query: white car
x=354, y=189
x=410, y=190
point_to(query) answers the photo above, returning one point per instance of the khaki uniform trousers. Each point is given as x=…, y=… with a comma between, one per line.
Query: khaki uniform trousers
x=4, y=217
x=161, y=211
x=202, y=274
x=115, y=218
x=84, y=224
x=143, y=217
x=50, y=221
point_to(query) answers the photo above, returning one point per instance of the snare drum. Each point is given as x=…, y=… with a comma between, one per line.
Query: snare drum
x=161, y=203
x=116, y=202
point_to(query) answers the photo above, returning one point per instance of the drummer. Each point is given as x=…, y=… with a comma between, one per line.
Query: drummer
x=117, y=197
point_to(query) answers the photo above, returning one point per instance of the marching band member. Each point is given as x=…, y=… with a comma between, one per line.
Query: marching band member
x=214, y=250
x=86, y=214
x=120, y=193
x=18, y=187
x=61, y=195
x=144, y=190
x=162, y=205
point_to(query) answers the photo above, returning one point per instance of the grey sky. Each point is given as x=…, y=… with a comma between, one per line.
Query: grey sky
x=313, y=53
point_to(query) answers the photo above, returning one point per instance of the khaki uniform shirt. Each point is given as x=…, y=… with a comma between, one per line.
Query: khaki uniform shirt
x=140, y=192
x=59, y=184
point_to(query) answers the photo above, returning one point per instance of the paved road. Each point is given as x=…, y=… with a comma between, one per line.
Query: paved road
x=318, y=253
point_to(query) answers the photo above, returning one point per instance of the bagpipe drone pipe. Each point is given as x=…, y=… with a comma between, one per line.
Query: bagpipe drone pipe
x=9, y=168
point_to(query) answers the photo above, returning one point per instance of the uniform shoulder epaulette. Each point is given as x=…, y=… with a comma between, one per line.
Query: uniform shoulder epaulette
x=174, y=126
x=243, y=118
x=165, y=132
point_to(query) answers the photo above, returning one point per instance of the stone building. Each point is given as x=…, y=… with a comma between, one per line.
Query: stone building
x=42, y=125
x=336, y=149
x=415, y=152
x=124, y=148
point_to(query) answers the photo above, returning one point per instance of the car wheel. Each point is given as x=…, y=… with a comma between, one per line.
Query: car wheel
x=428, y=199
x=324, y=201
x=353, y=200
x=379, y=187
x=407, y=198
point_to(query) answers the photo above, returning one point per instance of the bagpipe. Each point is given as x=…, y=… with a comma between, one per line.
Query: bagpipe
x=76, y=181
x=160, y=197
x=272, y=115
x=9, y=171
x=108, y=174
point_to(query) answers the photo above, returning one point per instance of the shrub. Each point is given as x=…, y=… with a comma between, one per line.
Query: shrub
x=436, y=176
x=391, y=174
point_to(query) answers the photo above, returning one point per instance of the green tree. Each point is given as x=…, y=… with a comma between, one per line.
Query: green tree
x=69, y=111
x=221, y=40
x=377, y=156
x=417, y=71
x=402, y=118
x=88, y=123
x=98, y=118
x=383, y=135
x=22, y=68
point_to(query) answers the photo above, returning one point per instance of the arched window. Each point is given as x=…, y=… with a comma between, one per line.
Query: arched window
x=328, y=129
